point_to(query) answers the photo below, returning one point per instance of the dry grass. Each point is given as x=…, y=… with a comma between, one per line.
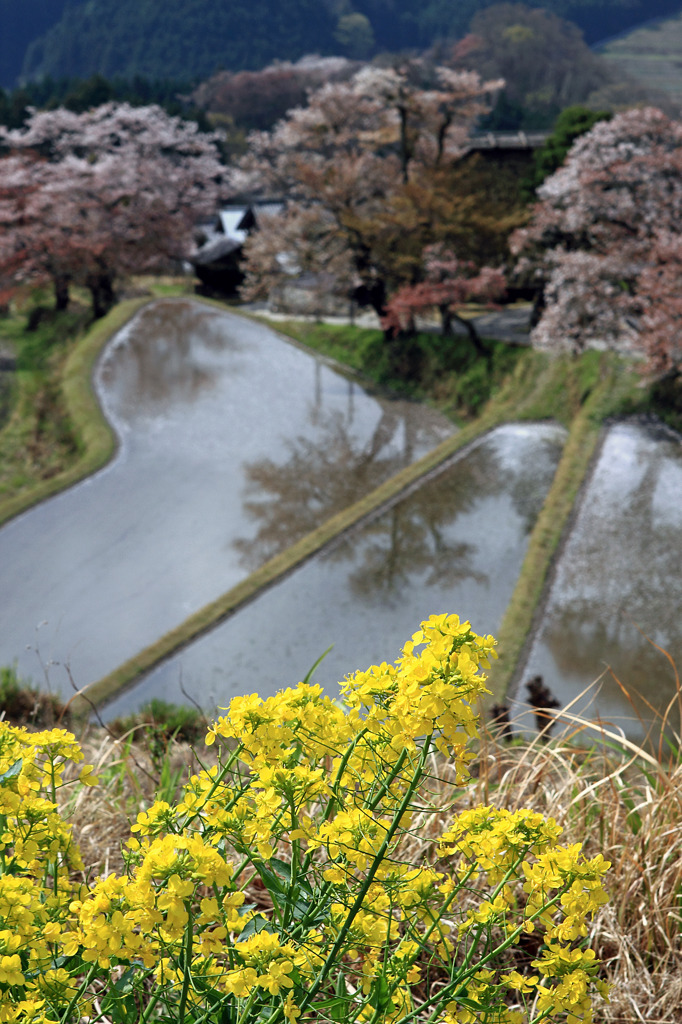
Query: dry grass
x=130, y=781
x=622, y=802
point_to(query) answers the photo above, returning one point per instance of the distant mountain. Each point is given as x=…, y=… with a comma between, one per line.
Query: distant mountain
x=181, y=39
x=404, y=23
x=191, y=39
x=22, y=21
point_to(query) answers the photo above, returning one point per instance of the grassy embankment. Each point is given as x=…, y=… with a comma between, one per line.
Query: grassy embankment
x=53, y=433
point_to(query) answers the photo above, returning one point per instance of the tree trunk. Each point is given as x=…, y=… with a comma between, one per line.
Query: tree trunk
x=61, y=292
x=538, y=308
x=404, y=143
x=101, y=289
x=372, y=294
x=474, y=336
x=445, y=320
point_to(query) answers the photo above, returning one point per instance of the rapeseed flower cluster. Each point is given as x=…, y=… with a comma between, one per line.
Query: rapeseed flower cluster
x=311, y=803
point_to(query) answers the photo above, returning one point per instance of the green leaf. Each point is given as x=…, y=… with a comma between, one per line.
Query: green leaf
x=334, y=1008
x=471, y=1004
x=256, y=924
x=12, y=772
x=281, y=868
x=119, y=1003
x=318, y=662
x=301, y=897
x=380, y=996
x=125, y=982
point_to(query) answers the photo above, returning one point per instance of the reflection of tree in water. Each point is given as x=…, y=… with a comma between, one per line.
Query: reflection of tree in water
x=407, y=541
x=629, y=568
x=585, y=648
x=322, y=475
x=530, y=480
x=157, y=365
x=415, y=537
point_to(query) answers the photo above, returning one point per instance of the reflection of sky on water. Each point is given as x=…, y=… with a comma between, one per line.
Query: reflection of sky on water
x=202, y=400
x=619, y=576
x=455, y=544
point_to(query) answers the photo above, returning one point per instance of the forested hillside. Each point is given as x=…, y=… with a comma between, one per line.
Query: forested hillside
x=20, y=23
x=178, y=38
x=191, y=39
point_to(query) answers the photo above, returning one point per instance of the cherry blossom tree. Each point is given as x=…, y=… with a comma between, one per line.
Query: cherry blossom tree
x=660, y=292
x=52, y=224
x=90, y=197
x=342, y=161
x=449, y=284
x=601, y=240
x=16, y=189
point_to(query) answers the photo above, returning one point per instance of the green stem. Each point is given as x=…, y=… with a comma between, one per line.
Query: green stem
x=423, y=939
x=453, y=989
x=376, y=863
x=84, y=984
x=511, y=939
x=217, y=782
x=243, y=1015
x=334, y=799
x=387, y=783
x=395, y=769
x=495, y=893
x=244, y=864
x=153, y=1000
x=295, y=846
x=187, y=964
x=341, y=769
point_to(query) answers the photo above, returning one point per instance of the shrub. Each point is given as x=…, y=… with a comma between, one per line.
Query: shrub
x=161, y=722
x=24, y=704
x=284, y=885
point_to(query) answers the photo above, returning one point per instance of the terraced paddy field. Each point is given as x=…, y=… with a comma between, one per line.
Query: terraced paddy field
x=652, y=55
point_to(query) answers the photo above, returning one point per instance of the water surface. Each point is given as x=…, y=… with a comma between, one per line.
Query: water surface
x=617, y=590
x=455, y=544
x=233, y=444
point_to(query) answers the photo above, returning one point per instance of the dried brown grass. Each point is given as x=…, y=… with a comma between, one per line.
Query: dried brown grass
x=129, y=781
x=620, y=801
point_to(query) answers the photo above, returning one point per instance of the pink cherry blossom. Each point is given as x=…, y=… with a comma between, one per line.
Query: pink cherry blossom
x=90, y=197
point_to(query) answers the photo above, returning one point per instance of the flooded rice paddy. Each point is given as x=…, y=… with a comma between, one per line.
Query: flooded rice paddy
x=453, y=545
x=233, y=444
x=614, y=606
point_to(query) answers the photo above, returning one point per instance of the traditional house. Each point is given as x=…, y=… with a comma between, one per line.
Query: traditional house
x=217, y=258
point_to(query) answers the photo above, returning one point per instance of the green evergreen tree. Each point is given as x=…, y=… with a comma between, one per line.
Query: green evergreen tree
x=570, y=124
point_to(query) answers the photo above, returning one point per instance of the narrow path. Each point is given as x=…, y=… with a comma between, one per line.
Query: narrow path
x=512, y=323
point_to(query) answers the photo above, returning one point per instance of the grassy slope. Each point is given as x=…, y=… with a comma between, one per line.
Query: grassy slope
x=55, y=434
x=76, y=440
